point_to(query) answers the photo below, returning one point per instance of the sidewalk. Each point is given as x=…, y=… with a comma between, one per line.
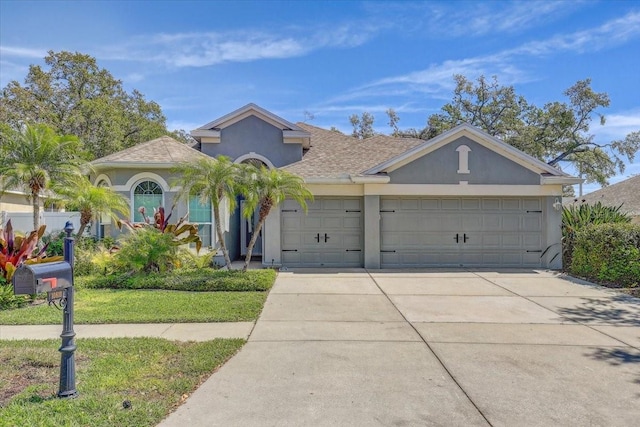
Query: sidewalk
x=170, y=331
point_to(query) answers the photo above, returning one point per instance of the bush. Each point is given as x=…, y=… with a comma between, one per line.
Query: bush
x=202, y=280
x=7, y=298
x=190, y=260
x=146, y=249
x=575, y=218
x=55, y=243
x=608, y=253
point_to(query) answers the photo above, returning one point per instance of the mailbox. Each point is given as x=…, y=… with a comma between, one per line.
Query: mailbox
x=46, y=277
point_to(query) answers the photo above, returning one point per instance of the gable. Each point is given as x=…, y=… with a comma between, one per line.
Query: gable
x=254, y=135
x=447, y=165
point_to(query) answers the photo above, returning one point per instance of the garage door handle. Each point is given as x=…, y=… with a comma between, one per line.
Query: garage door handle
x=457, y=239
x=326, y=237
x=318, y=237
x=354, y=250
x=289, y=250
x=388, y=251
x=465, y=238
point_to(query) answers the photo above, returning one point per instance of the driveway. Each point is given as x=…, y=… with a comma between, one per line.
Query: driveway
x=433, y=347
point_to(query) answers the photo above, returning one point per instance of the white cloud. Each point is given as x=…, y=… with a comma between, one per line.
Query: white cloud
x=611, y=33
x=211, y=48
x=506, y=18
x=618, y=125
x=470, y=19
x=21, y=52
x=437, y=79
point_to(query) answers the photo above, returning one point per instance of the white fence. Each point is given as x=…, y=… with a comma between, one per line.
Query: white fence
x=55, y=221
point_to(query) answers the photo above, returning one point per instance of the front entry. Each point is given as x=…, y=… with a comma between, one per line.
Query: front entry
x=247, y=227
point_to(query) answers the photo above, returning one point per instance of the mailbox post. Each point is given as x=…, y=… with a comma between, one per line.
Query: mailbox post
x=68, y=347
x=55, y=278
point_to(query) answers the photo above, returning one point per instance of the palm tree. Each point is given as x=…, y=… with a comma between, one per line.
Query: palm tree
x=34, y=158
x=92, y=201
x=265, y=189
x=212, y=181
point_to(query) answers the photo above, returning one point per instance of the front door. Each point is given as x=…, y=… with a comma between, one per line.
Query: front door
x=248, y=225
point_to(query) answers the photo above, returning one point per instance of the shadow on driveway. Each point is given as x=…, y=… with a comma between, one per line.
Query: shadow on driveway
x=619, y=310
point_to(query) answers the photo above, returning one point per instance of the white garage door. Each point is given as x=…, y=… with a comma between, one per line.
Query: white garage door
x=329, y=235
x=461, y=232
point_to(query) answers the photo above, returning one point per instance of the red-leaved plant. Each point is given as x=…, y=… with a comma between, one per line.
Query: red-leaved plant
x=183, y=233
x=15, y=250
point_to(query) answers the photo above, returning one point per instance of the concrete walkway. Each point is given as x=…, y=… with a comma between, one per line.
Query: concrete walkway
x=170, y=331
x=450, y=348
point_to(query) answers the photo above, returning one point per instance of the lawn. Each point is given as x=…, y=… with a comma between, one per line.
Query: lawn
x=121, y=382
x=94, y=306
x=182, y=296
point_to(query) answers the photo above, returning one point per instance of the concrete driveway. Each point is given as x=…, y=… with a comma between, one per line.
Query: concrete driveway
x=430, y=348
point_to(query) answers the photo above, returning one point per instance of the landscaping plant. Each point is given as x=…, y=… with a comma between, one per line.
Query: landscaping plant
x=575, y=218
x=213, y=181
x=265, y=189
x=608, y=253
x=14, y=250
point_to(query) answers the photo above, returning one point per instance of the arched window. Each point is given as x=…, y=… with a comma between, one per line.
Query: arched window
x=149, y=195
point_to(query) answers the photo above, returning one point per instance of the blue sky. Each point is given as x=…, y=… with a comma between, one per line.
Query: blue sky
x=200, y=60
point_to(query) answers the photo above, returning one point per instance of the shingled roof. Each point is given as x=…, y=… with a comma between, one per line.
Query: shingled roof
x=336, y=155
x=163, y=150
x=625, y=193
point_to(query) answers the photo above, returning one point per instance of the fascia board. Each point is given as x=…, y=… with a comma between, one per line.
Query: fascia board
x=564, y=180
x=206, y=133
x=296, y=134
x=375, y=179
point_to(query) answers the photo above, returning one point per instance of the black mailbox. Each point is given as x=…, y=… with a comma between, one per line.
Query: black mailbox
x=37, y=278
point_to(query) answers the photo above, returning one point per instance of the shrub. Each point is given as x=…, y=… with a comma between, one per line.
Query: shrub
x=203, y=280
x=54, y=243
x=574, y=218
x=190, y=260
x=16, y=249
x=7, y=298
x=146, y=249
x=608, y=253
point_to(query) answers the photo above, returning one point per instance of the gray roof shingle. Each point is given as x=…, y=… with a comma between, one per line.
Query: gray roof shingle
x=160, y=150
x=625, y=193
x=335, y=155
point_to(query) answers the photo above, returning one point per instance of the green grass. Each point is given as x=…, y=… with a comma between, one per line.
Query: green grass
x=94, y=306
x=155, y=375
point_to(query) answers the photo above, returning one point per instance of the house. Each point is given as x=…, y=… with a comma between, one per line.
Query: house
x=625, y=193
x=463, y=198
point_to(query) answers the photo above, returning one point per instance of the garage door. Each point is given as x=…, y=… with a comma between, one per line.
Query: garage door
x=461, y=232
x=329, y=235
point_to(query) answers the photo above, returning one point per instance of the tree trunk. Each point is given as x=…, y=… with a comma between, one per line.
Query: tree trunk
x=85, y=218
x=81, y=229
x=252, y=242
x=223, y=246
x=35, y=200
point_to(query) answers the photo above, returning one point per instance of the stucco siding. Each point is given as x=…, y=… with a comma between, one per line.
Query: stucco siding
x=254, y=135
x=484, y=167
